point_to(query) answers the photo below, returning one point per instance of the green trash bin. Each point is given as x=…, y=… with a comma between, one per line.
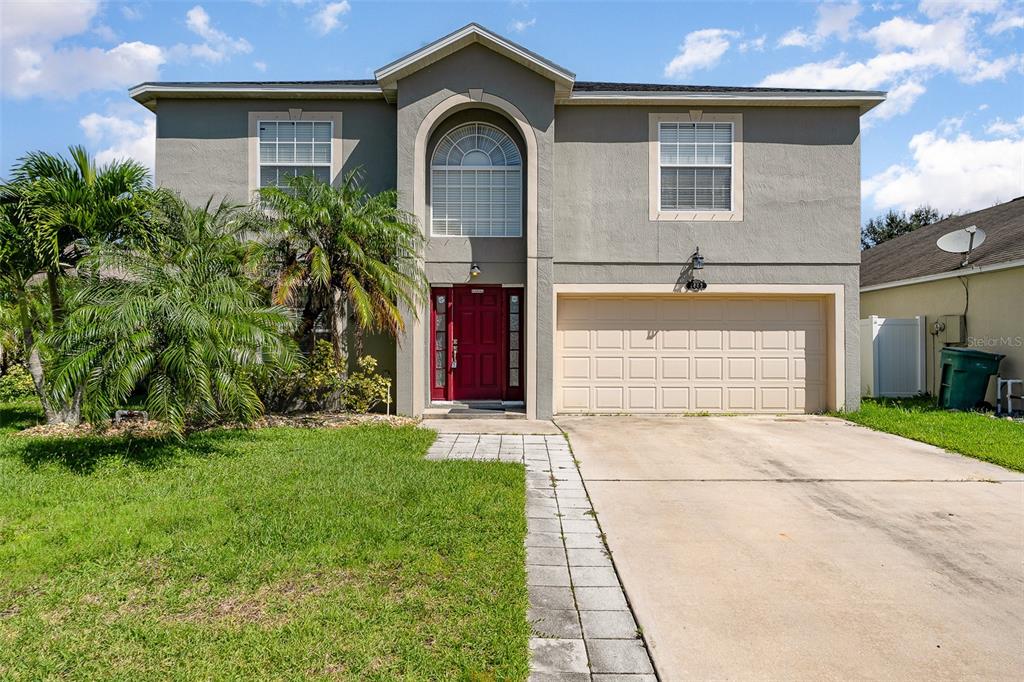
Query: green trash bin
x=965, y=375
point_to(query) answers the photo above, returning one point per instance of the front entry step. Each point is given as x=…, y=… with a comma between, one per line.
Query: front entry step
x=475, y=409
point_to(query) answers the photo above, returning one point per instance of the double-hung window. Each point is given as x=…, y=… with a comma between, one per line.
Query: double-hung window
x=695, y=166
x=291, y=148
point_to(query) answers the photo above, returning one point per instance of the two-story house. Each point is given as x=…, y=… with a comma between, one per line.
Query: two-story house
x=566, y=222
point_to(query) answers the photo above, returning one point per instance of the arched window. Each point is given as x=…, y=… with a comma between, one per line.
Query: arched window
x=476, y=184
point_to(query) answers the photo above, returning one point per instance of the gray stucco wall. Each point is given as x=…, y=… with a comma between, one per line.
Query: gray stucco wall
x=202, y=144
x=801, y=206
x=502, y=260
x=801, y=187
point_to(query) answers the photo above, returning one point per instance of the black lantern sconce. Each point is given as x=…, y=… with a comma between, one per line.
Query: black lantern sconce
x=696, y=263
x=697, y=260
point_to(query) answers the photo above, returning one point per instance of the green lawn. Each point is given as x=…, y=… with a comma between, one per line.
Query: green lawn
x=976, y=435
x=19, y=414
x=280, y=553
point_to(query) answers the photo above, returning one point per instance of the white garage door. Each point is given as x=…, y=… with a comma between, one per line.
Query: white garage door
x=690, y=354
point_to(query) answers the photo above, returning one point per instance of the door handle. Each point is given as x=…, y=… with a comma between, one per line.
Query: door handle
x=455, y=353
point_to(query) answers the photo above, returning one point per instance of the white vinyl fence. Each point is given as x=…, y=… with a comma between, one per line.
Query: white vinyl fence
x=892, y=356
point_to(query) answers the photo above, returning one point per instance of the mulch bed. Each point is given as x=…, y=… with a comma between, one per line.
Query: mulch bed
x=156, y=429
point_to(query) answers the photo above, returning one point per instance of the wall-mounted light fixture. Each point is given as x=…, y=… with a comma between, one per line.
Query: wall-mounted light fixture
x=696, y=263
x=474, y=270
x=697, y=260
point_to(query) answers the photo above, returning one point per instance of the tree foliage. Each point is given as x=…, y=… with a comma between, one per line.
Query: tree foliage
x=896, y=223
x=53, y=211
x=343, y=250
x=179, y=322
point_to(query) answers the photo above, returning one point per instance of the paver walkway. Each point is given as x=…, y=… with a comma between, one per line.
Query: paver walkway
x=583, y=628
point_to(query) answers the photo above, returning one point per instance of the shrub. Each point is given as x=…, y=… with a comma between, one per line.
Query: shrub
x=365, y=388
x=324, y=377
x=183, y=324
x=316, y=385
x=17, y=383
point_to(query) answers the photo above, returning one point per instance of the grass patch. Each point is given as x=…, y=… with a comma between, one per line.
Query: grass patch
x=258, y=554
x=20, y=414
x=999, y=441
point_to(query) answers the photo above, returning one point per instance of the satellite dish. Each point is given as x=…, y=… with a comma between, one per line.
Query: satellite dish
x=962, y=241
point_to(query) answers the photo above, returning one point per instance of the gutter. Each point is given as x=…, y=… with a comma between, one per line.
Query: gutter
x=966, y=272
x=146, y=94
x=866, y=101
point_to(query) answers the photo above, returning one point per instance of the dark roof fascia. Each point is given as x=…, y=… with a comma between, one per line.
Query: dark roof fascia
x=147, y=93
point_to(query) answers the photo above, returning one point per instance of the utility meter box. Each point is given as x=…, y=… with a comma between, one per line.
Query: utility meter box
x=954, y=329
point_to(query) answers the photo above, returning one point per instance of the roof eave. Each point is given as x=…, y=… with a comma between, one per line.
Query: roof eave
x=949, y=274
x=865, y=101
x=389, y=75
x=146, y=94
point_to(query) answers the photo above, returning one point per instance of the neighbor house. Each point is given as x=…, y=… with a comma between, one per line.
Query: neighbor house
x=979, y=305
x=563, y=220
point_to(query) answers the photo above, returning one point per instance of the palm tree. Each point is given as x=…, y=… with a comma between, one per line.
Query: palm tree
x=343, y=249
x=52, y=211
x=181, y=321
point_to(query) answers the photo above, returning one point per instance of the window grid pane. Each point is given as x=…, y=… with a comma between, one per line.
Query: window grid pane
x=696, y=166
x=290, y=148
x=476, y=184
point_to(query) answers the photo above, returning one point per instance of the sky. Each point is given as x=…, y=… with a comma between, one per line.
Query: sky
x=950, y=135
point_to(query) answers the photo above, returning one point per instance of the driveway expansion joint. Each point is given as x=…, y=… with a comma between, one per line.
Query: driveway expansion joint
x=583, y=627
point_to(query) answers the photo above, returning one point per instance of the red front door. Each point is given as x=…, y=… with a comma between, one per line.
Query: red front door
x=477, y=343
x=476, y=340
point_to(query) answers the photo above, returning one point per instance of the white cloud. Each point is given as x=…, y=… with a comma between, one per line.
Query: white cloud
x=329, y=17
x=131, y=13
x=796, y=38
x=260, y=66
x=1007, y=128
x=104, y=32
x=521, y=25
x=951, y=173
x=1006, y=22
x=943, y=8
x=952, y=124
x=982, y=107
x=45, y=20
x=217, y=45
x=700, y=50
x=33, y=65
x=906, y=52
x=753, y=45
x=113, y=137
x=899, y=101
x=834, y=19
x=69, y=71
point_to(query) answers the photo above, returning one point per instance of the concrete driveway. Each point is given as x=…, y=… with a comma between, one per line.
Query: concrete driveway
x=808, y=548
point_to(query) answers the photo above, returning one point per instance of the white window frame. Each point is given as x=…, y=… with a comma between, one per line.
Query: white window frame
x=257, y=117
x=735, y=213
x=522, y=179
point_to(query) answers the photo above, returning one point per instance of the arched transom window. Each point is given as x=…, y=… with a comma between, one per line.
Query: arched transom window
x=476, y=184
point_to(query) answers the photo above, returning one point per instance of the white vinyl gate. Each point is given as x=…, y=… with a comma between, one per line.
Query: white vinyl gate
x=892, y=355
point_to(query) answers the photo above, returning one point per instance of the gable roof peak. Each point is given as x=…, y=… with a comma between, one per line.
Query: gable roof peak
x=472, y=33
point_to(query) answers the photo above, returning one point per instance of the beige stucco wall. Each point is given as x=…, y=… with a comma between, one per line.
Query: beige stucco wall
x=995, y=315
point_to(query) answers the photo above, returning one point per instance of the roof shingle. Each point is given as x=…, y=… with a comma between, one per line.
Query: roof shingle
x=916, y=255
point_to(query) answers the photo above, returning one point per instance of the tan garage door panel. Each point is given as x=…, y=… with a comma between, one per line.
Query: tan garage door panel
x=673, y=354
